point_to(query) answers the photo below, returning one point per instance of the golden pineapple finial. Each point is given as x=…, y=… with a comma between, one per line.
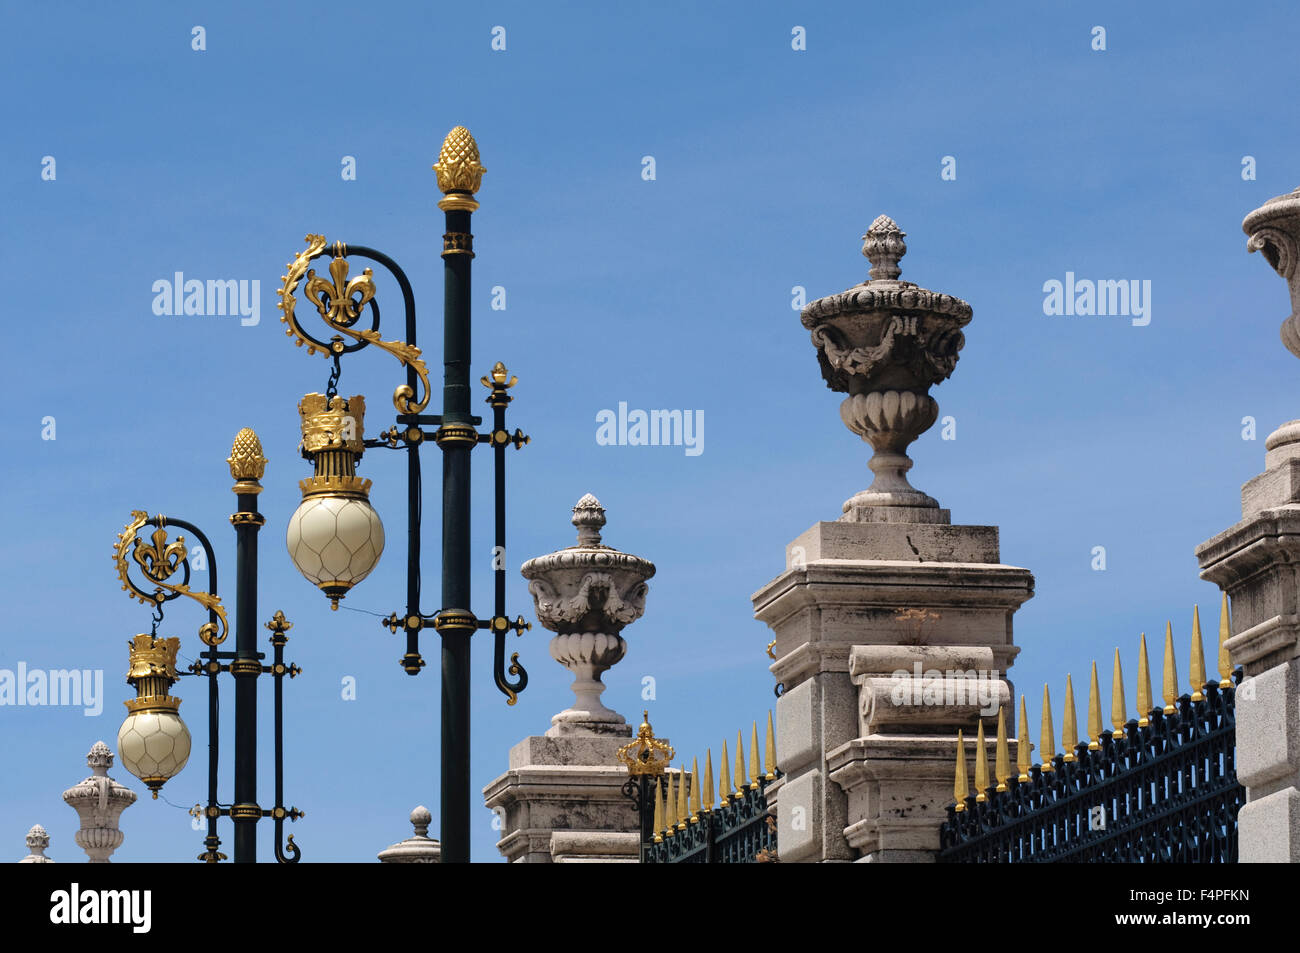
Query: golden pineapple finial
x=460, y=173
x=1118, y=709
x=1144, y=684
x=1197, y=672
x=1225, y=657
x=961, y=783
x=1022, y=744
x=1047, y=735
x=981, y=766
x=1171, y=672
x=247, y=462
x=1070, y=729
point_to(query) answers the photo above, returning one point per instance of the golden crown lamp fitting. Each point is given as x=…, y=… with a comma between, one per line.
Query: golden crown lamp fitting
x=335, y=537
x=153, y=742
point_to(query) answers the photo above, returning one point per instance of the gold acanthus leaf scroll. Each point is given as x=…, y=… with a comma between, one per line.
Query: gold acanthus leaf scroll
x=339, y=306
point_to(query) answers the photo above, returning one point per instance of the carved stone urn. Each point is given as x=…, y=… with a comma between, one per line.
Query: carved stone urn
x=1274, y=230
x=99, y=801
x=37, y=843
x=586, y=594
x=884, y=343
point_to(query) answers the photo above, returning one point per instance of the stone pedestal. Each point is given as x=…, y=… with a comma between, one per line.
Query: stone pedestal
x=1257, y=562
x=566, y=785
x=889, y=638
x=887, y=619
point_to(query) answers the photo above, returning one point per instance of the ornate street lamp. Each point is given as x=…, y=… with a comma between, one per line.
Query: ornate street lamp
x=335, y=538
x=153, y=743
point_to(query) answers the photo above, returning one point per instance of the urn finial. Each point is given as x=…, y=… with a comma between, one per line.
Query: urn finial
x=589, y=517
x=883, y=246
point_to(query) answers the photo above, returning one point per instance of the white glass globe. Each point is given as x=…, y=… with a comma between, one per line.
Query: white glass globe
x=335, y=541
x=154, y=746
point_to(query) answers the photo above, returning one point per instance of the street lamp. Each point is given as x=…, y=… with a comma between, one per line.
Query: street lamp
x=153, y=743
x=335, y=538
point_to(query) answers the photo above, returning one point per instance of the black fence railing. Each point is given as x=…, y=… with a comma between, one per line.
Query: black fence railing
x=741, y=831
x=1162, y=789
x=682, y=823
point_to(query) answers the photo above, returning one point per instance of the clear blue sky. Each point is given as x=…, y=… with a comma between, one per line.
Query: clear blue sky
x=1073, y=432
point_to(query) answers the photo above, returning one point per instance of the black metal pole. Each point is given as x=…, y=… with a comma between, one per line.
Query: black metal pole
x=455, y=623
x=246, y=666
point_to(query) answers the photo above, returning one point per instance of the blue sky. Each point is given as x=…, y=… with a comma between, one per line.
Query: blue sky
x=1072, y=432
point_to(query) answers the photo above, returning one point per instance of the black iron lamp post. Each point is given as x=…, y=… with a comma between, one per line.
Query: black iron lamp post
x=335, y=538
x=153, y=743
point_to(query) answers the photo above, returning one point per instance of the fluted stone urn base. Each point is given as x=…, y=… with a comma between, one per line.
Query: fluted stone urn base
x=588, y=655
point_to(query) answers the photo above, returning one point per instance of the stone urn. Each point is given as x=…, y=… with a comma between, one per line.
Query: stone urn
x=99, y=801
x=420, y=848
x=586, y=595
x=37, y=842
x=1273, y=229
x=885, y=343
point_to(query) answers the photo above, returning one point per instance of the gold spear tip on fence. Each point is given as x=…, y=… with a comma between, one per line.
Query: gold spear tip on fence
x=1225, y=633
x=1144, y=684
x=670, y=806
x=1094, y=712
x=707, y=788
x=1023, y=747
x=1070, y=729
x=739, y=778
x=769, y=752
x=1118, y=711
x=695, y=791
x=724, y=781
x=1197, y=673
x=961, y=783
x=659, y=813
x=755, y=771
x=1002, y=766
x=1170, y=687
x=683, y=812
x=1047, y=735
x=981, y=765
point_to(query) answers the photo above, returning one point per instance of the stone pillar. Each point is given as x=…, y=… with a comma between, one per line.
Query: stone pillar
x=561, y=798
x=418, y=849
x=37, y=841
x=1257, y=562
x=872, y=607
x=99, y=801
